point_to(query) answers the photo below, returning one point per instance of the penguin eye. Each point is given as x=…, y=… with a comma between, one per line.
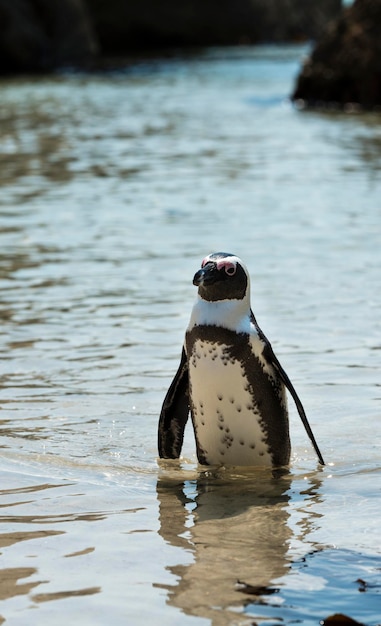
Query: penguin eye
x=204, y=262
x=230, y=269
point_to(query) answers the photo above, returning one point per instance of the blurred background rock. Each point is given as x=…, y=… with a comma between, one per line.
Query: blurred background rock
x=43, y=35
x=344, y=70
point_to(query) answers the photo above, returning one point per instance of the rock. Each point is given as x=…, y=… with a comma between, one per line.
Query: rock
x=22, y=41
x=344, y=69
x=40, y=35
x=67, y=24
x=148, y=24
x=338, y=619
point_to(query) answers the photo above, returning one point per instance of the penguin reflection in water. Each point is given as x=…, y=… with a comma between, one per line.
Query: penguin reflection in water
x=229, y=378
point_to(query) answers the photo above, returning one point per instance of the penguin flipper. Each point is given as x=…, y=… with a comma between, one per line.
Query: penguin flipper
x=269, y=355
x=174, y=413
x=288, y=384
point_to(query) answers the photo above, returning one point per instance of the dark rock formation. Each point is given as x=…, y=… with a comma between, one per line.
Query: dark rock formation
x=345, y=67
x=39, y=35
x=123, y=26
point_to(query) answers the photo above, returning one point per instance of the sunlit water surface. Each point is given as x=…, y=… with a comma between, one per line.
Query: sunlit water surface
x=113, y=188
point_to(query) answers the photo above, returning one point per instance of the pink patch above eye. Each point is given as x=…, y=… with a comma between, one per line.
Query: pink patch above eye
x=229, y=267
x=204, y=261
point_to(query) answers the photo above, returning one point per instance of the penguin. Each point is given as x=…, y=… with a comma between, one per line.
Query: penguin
x=229, y=379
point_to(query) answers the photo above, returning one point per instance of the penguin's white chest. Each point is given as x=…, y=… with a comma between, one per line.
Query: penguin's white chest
x=226, y=419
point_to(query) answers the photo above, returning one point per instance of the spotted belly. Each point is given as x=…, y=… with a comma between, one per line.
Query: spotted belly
x=227, y=419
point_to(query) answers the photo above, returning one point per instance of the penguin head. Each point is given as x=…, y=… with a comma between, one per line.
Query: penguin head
x=222, y=276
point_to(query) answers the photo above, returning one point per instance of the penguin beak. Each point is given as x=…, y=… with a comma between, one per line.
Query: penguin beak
x=208, y=275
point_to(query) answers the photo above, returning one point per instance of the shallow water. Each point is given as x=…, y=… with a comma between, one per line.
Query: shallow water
x=113, y=188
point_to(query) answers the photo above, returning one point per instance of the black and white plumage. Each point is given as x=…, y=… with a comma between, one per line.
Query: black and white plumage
x=228, y=378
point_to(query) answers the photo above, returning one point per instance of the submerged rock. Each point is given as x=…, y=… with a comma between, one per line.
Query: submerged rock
x=344, y=69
